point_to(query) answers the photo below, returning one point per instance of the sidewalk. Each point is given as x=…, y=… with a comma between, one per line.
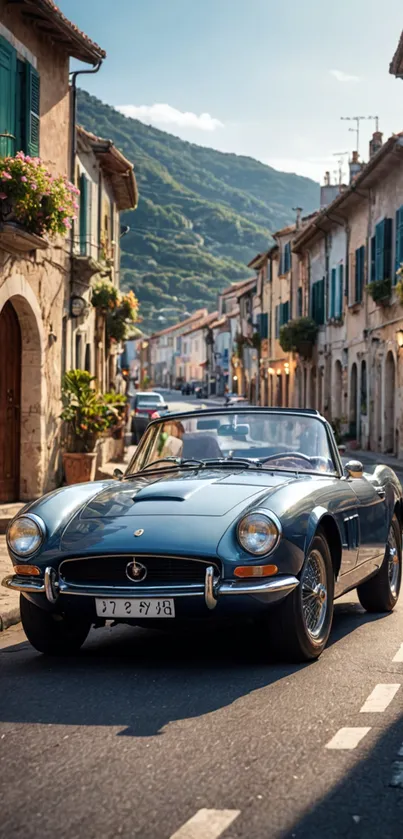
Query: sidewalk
x=9, y=600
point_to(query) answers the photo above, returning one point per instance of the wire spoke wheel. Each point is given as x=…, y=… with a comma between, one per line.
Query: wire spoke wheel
x=393, y=563
x=314, y=594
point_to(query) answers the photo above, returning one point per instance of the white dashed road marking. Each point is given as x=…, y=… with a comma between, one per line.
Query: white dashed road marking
x=399, y=654
x=347, y=738
x=379, y=699
x=206, y=824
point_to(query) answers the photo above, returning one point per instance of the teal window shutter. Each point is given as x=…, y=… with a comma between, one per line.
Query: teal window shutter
x=299, y=303
x=321, y=296
x=399, y=242
x=8, y=80
x=332, y=302
x=359, y=273
x=277, y=333
x=83, y=213
x=387, y=250
x=264, y=326
x=32, y=111
x=379, y=250
x=373, y=260
x=339, y=303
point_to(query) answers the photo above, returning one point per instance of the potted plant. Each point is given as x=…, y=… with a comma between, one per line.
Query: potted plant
x=31, y=198
x=299, y=336
x=105, y=296
x=85, y=416
x=380, y=291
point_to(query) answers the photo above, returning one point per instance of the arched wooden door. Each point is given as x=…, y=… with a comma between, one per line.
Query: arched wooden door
x=10, y=402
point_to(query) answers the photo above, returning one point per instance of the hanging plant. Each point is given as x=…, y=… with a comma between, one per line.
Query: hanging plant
x=299, y=336
x=34, y=198
x=105, y=296
x=380, y=291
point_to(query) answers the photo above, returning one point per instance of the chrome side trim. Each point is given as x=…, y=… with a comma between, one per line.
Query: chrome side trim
x=209, y=595
x=18, y=584
x=273, y=586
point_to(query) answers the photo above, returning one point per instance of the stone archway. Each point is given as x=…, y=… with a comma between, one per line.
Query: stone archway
x=337, y=391
x=389, y=403
x=32, y=432
x=353, y=402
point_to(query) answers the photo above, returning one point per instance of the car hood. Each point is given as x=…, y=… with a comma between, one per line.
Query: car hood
x=168, y=509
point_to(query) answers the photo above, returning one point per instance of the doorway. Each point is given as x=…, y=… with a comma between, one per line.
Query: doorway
x=10, y=403
x=389, y=412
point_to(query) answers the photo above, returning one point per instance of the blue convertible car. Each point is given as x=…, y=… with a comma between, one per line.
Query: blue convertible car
x=248, y=512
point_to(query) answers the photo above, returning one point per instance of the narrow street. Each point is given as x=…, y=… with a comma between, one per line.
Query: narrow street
x=143, y=730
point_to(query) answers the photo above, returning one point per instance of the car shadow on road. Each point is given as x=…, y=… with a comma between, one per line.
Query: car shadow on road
x=141, y=680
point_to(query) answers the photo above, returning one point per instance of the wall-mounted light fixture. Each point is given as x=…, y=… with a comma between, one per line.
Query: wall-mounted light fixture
x=399, y=338
x=78, y=306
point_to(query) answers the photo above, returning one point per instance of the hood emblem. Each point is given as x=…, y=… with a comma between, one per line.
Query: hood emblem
x=138, y=532
x=135, y=571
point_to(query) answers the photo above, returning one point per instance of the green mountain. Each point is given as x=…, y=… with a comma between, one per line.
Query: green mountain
x=202, y=214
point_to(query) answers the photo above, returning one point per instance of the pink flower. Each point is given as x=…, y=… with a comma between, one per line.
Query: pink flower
x=34, y=186
x=6, y=176
x=28, y=159
x=23, y=178
x=3, y=196
x=66, y=222
x=75, y=205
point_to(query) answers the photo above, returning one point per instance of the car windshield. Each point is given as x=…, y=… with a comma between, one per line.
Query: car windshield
x=282, y=441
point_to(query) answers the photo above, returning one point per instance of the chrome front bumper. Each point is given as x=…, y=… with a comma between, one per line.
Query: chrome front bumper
x=266, y=590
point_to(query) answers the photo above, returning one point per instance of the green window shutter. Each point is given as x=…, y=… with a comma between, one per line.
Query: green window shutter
x=8, y=78
x=357, y=276
x=321, y=296
x=83, y=213
x=359, y=273
x=379, y=250
x=400, y=239
x=332, y=302
x=373, y=260
x=397, y=242
x=339, y=296
x=32, y=111
x=264, y=326
x=387, y=250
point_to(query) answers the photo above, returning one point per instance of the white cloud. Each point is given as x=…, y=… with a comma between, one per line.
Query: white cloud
x=163, y=114
x=343, y=77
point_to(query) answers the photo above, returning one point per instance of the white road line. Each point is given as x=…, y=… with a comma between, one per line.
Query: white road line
x=206, y=824
x=399, y=654
x=347, y=738
x=379, y=699
x=397, y=777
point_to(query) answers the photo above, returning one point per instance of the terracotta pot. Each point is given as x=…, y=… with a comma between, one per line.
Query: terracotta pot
x=79, y=467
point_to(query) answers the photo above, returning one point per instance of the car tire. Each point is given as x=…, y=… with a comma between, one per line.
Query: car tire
x=381, y=592
x=301, y=624
x=52, y=634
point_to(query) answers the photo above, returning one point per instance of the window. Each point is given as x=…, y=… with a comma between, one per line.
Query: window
x=19, y=103
x=383, y=250
x=359, y=274
x=336, y=292
x=285, y=259
x=282, y=316
x=78, y=350
x=398, y=242
x=318, y=302
x=299, y=302
x=83, y=214
x=262, y=325
x=87, y=363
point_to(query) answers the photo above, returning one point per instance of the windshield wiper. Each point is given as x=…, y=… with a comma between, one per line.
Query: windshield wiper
x=173, y=463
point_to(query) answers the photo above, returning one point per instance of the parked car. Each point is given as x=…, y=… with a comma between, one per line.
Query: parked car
x=246, y=514
x=143, y=406
x=201, y=391
x=187, y=389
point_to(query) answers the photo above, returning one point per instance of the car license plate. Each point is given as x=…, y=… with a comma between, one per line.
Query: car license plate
x=143, y=416
x=121, y=607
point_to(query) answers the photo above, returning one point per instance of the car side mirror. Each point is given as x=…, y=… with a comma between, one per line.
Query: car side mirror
x=354, y=469
x=118, y=474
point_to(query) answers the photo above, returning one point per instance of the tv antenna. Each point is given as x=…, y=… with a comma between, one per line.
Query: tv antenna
x=340, y=155
x=356, y=130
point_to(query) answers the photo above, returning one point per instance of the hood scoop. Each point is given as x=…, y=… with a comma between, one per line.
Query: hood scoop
x=168, y=491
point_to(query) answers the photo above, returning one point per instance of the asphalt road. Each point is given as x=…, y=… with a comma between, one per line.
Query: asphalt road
x=154, y=736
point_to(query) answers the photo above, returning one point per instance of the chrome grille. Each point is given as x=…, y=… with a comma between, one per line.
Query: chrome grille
x=111, y=570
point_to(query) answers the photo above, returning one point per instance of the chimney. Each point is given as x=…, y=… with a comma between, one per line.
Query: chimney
x=327, y=179
x=376, y=143
x=355, y=166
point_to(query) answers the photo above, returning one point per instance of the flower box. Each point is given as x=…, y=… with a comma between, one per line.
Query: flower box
x=15, y=240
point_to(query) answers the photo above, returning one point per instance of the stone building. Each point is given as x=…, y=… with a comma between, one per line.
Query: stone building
x=107, y=186
x=36, y=42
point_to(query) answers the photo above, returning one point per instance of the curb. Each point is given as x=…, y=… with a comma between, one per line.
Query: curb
x=9, y=619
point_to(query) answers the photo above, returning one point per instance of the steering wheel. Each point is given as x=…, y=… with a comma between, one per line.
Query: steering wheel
x=292, y=455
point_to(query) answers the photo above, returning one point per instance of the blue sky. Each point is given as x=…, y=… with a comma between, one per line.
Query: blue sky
x=256, y=77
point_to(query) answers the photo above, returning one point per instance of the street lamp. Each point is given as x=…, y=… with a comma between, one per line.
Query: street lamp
x=399, y=338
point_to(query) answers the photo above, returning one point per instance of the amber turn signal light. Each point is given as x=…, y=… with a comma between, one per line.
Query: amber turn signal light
x=27, y=570
x=255, y=571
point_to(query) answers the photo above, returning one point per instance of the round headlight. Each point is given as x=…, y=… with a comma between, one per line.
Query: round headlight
x=257, y=534
x=25, y=536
